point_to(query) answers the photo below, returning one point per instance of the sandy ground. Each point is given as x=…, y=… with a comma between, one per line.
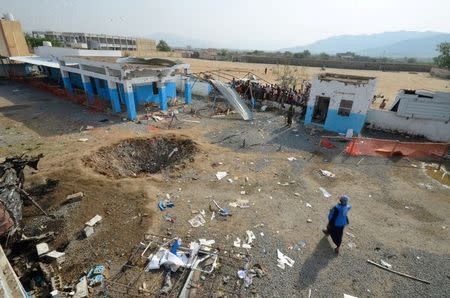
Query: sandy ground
x=388, y=83
x=394, y=216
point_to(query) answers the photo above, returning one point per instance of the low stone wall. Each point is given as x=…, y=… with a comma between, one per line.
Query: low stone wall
x=440, y=72
x=345, y=64
x=433, y=130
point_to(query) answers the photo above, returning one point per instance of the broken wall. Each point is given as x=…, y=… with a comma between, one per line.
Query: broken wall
x=433, y=130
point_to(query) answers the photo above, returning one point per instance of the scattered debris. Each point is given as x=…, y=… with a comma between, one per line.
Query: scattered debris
x=163, y=205
x=386, y=264
x=291, y=158
x=351, y=245
x=426, y=186
x=399, y=273
x=296, y=194
x=83, y=140
x=284, y=260
x=350, y=234
x=73, y=198
x=327, y=173
x=308, y=205
x=327, y=144
x=222, y=211
x=42, y=248
x=240, y=203
x=93, y=221
x=56, y=256
x=220, y=175
x=170, y=218
x=96, y=275
x=309, y=220
x=325, y=193
x=349, y=296
x=197, y=221
x=88, y=231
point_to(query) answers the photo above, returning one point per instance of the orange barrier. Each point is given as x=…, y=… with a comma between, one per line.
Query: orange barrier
x=388, y=148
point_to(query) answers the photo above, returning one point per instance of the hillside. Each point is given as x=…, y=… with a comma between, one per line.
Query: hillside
x=388, y=44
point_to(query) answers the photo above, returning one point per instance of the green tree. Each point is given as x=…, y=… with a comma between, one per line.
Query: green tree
x=443, y=60
x=304, y=54
x=163, y=46
x=34, y=42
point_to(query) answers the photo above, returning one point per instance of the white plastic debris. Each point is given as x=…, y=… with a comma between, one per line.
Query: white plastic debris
x=220, y=175
x=325, y=193
x=240, y=204
x=42, y=248
x=213, y=215
x=308, y=205
x=230, y=180
x=83, y=140
x=250, y=236
x=284, y=260
x=93, y=221
x=237, y=242
x=296, y=194
x=327, y=173
x=386, y=264
x=350, y=296
x=349, y=133
x=291, y=158
x=242, y=192
x=197, y=221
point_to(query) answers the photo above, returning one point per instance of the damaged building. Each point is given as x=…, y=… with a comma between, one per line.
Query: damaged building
x=340, y=102
x=416, y=112
x=122, y=83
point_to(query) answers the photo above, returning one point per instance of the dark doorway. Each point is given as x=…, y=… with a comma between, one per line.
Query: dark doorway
x=321, y=109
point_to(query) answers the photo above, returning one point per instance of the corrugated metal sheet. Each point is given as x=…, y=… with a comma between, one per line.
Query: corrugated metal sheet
x=436, y=108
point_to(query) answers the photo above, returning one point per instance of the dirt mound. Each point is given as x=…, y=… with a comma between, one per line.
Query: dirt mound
x=136, y=157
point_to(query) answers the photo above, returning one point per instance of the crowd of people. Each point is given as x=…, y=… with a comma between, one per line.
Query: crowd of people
x=254, y=90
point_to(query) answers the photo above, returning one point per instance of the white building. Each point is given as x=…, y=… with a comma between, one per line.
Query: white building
x=420, y=113
x=340, y=102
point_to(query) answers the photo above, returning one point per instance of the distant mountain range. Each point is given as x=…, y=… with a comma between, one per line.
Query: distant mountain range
x=397, y=44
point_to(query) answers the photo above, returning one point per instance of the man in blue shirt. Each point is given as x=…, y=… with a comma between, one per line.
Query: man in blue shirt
x=337, y=220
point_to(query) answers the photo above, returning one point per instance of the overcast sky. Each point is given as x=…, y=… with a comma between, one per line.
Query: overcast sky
x=248, y=24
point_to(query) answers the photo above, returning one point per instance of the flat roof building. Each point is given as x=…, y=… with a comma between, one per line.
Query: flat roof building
x=99, y=41
x=340, y=102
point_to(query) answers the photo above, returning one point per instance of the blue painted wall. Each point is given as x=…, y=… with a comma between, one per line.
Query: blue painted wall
x=144, y=93
x=101, y=87
x=54, y=74
x=340, y=124
x=76, y=80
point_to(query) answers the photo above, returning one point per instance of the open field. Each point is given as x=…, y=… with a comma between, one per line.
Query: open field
x=399, y=213
x=388, y=82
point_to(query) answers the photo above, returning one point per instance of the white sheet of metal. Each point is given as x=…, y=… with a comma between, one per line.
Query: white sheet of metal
x=36, y=60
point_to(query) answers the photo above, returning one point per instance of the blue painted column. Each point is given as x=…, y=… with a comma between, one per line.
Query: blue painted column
x=114, y=97
x=66, y=81
x=88, y=88
x=129, y=101
x=187, y=92
x=162, y=97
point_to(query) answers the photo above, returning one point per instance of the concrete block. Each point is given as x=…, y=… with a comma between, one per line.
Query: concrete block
x=93, y=221
x=58, y=257
x=81, y=289
x=88, y=231
x=42, y=248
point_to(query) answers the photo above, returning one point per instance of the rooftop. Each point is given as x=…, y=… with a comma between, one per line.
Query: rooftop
x=349, y=79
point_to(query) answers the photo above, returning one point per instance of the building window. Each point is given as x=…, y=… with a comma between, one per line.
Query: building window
x=345, y=107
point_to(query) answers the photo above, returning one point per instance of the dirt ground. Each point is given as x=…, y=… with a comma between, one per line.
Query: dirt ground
x=399, y=213
x=388, y=83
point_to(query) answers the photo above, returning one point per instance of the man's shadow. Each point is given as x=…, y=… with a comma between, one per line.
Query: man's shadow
x=322, y=254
